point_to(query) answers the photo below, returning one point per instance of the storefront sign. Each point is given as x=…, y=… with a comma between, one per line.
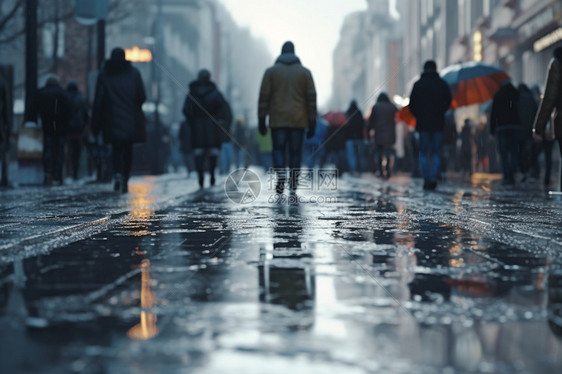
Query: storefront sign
x=548, y=40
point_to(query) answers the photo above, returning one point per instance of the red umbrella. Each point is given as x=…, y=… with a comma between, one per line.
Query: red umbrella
x=473, y=82
x=335, y=118
x=404, y=115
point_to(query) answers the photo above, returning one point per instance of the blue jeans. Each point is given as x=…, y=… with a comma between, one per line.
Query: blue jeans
x=287, y=140
x=352, y=151
x=508, y=146
x=226, y=155
x=430, y=149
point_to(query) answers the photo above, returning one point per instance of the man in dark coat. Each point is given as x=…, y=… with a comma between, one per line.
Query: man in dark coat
x=77, y=124
x=118, y=113
x=209, y=115
x=505, y=125
x=288, y=97
x=53, y=107
x=429, y=100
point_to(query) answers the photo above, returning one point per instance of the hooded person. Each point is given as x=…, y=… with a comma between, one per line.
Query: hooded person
x=209, y=116
x=53, y=107
x=383, y=122
x=288, y=97
x=429, y=101
x=551, y=102
x=354, y=134
x=118, y=113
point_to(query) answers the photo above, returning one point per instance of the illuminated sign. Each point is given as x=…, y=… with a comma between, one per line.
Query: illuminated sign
x=477, y=46
x=136, y=54
x=548, y=40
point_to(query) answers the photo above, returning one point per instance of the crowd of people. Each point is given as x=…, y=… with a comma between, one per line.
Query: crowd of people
x=509, y=135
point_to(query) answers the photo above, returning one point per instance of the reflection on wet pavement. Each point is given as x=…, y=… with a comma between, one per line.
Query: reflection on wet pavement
x=387, y=279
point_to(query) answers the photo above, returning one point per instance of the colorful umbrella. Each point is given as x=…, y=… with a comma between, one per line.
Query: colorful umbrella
x=473, y=82
x=335, y=117
x=404, y=115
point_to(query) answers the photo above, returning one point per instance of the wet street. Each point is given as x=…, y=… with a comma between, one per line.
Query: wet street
x=360, y=276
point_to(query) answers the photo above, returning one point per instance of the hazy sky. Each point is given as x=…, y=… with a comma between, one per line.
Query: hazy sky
x=313, y=25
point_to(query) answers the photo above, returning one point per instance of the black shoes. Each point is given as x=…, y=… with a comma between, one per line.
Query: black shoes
x=429, y=185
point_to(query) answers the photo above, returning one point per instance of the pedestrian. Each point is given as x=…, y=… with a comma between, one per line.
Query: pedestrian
x=429, y=100
x=118, y=113
x=527, y=109
x=450, y=135
x=314, y=148
x=482, y=140
x=53, y=107
x=383, y=122
x=335, y=147
x=505, y=125
x=288, y=97
x=77, y=126
x=354, y=130
x=209, y=115
x=466, y=148
x=551, y=103
x=241, y=143
x=186, y=147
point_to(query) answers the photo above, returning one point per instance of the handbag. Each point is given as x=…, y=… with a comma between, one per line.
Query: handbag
x=30, y=143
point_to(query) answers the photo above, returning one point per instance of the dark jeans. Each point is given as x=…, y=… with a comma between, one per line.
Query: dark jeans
x=508, y=146
x=287, y=140
x=122, y=158
x=430, y=149
x=388, y=153
x=53, y=156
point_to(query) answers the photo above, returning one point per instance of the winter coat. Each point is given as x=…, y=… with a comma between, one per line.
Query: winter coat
x=287, y=94
x=552, y=101
x=53, y=107
x=527, y=109
x=383, y=121
x=429, y=100
x=118, y=103
x=505, y=112
x=208, y=114
x=79, y=117
x=355, y=123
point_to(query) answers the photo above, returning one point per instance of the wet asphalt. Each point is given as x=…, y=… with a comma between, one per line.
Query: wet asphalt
x=354, y=275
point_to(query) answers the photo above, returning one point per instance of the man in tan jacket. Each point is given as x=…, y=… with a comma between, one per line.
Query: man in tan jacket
x=288, y=97
x=551, y=102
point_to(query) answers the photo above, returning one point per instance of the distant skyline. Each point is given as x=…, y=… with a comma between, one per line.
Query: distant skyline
x=313, y=26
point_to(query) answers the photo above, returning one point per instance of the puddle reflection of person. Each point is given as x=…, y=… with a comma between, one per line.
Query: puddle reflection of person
x=286, y=278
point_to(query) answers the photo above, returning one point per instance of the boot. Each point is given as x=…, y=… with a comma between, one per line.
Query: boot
x=125, y=185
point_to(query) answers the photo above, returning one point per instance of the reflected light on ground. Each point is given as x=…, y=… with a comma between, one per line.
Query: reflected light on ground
x=141, y=206
x=147, y=328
